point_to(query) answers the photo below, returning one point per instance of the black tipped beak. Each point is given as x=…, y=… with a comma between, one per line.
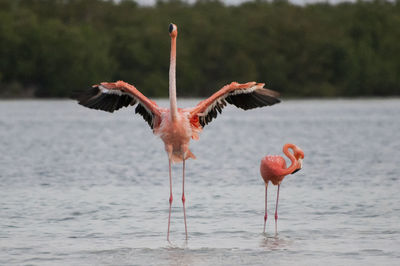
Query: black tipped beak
x=296, y=170
x=171, y=28
x=300, y=161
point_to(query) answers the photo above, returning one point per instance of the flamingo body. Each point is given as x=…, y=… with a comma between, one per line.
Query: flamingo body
x=176, y=126
x=272, y=169
x=176, y=135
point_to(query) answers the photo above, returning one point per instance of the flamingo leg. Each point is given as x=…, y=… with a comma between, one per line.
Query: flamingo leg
x=276, y=208
x=266, y=215
x=183, y=197
x=170, y=198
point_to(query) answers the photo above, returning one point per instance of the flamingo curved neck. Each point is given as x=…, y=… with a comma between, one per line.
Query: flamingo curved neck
x=294, y=165
x=172, y=81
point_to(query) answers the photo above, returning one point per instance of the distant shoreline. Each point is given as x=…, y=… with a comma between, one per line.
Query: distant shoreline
x=289, y=98
x=348, y=49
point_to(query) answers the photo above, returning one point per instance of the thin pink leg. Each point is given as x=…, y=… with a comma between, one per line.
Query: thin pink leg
x=276, y=209
x=266, y=215
x=183, y=197
x=170, y=198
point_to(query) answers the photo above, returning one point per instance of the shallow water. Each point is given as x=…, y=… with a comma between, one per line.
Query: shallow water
x=83, y=187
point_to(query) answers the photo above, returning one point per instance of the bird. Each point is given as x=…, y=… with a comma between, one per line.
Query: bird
x=273, y=168
x=176, y=126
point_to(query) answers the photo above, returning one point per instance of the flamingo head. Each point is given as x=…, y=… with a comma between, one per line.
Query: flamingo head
x=173, y=30
x=299, y=155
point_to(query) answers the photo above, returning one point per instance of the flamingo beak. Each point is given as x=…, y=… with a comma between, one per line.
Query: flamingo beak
x=173, y=30
x=300, y=162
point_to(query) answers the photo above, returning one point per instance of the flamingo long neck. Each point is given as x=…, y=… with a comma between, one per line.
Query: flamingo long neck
x=172, y=80
x=294, y=164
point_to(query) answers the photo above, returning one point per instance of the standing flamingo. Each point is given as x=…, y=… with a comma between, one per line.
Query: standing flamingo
x=273, y=168
x=176, y=126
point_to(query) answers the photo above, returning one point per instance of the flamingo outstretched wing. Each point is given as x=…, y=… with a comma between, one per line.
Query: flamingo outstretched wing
x=111, y=96
x=245, y=96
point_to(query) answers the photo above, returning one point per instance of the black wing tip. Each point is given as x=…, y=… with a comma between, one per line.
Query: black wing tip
x=272, y=95
x=93, y=98
x=84, y=95
x=255, y=99
x=271, y=100
x=269, y=92
x=260, y=97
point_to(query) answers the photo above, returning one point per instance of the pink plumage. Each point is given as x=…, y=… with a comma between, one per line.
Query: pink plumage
x=176, y=126
x=273, y=168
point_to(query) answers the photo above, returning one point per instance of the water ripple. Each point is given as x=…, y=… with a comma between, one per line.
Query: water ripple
x=91, y=188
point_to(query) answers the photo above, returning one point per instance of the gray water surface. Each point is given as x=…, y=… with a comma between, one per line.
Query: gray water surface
x=84, y=187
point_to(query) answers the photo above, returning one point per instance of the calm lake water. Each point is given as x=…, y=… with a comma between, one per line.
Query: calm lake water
x=84, y=187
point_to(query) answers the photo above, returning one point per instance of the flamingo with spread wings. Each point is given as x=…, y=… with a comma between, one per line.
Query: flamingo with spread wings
x=176, y=126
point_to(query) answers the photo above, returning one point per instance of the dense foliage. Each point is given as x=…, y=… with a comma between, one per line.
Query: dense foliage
x=49, y=48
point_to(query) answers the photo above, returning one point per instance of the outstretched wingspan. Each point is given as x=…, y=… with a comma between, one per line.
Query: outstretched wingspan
x=111, y=96
x=245, y=96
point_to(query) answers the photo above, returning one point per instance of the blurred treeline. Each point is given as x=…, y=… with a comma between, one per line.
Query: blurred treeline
x=49, y=48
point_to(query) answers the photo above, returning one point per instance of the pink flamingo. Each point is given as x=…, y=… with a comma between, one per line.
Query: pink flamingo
x=176, y=126
x=273, y=168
